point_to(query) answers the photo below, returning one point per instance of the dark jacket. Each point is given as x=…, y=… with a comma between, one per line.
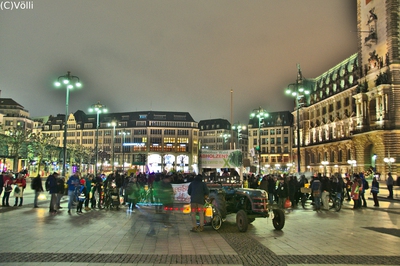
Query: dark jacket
x=37, y=184
x=283, y=190
x=52, y=184
x=198, y=190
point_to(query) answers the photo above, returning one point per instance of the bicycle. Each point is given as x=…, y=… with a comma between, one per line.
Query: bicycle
x=335, y=201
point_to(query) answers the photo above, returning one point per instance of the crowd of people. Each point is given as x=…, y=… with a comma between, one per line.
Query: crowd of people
x=285, y=187
x=90, y=192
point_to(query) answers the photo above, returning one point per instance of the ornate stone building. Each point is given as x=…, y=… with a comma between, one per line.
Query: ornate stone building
x=353, y=110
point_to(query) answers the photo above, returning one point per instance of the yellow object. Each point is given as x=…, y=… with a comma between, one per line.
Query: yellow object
x=307, y=185
x=186, y=208
x=209, y=211
x=146, y=187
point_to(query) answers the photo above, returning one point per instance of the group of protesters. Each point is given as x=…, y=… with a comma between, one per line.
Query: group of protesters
x=285, y=187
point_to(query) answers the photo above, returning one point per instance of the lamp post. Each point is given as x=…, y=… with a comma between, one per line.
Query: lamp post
x=239, y=127
x=225, y=137
x=352, y=164
x=123, y=133
x=68, y=81
x=389, y=160
x=324, y=163
x=98, y=108
x=299, y=93
x=260, y=114
x=113, y=124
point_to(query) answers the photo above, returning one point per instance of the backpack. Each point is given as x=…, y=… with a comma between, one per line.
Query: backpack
x=33, y=184
x=47, y=184
x=366, y=185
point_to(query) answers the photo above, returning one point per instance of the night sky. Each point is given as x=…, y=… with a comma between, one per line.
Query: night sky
x=171, y=55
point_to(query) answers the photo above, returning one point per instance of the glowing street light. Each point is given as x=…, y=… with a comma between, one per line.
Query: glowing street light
x=299, y=93
x=389, y=160
x=113, y=124
x=324, y=163
x=70, y=82
x=225, y=137
x=260, y=114
x=124, y=134
x=352, y=164
x=239, y=128
x=98, y=108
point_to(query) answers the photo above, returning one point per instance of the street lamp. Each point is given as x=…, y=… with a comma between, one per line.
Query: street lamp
x=123, y=133
x=98, y=108
x=324, y=163
x=225, y=137
x=389, y=160
x=352, y=164
x=260, y=114
x=113, y=124
x=239, y=127
x=299, y=93
x=70, y=83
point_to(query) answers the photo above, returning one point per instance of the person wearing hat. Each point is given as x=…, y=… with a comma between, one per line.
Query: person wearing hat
x=51, y=186
x=197, y=190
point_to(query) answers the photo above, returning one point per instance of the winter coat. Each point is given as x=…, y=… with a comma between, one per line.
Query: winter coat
x=198, y=190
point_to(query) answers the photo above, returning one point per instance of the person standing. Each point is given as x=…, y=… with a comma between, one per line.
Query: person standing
x=197, y=191
x=37, y=186
x=60, y=190
x=375, y=191
x=88, y=188
x=355, y=193
x=283, y=193
x=51, y=186
x=20, y=184
x=73, y=183
x=389, y=183
x=316, y=192
x=7, y=181
x=1, y=183
x=166, y=196
x=325, y=191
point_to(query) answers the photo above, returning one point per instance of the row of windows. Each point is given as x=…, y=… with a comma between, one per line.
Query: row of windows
x=266, y=132
x=330, y=108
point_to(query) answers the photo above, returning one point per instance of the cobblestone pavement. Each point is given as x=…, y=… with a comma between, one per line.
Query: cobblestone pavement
x=370, y=236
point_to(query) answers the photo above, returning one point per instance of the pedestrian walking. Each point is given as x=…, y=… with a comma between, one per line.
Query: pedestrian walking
x=375, y=191
x=197, y=191
x=166, y=196
x=60, y=191
x=389, y=184
x=36, y=186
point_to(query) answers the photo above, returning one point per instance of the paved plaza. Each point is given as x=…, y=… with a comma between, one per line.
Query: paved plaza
x=31, y=236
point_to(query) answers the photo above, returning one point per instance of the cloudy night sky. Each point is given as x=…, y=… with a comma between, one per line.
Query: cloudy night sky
x=171, y=55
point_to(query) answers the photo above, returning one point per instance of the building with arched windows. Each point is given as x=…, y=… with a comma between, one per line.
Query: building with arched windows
x=351, y=118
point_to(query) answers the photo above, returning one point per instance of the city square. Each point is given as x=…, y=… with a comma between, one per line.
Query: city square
x=133, y=102
x=108, y=237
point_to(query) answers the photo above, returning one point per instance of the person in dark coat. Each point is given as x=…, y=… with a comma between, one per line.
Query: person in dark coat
x=293, y=190
x=38, y=188
x=197, y=191
x=283, y=192
x=53, y=190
